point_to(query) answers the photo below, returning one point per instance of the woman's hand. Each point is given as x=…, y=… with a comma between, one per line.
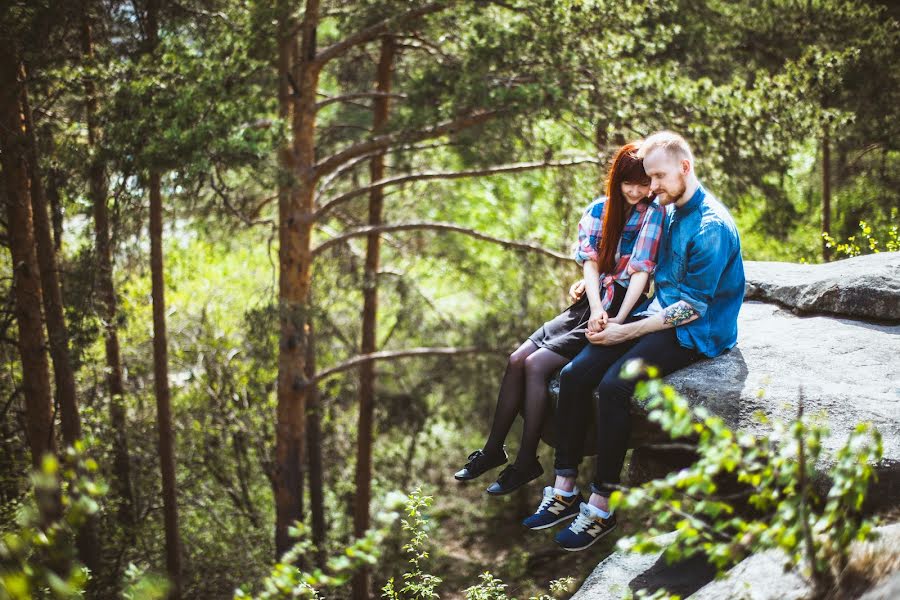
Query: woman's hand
x=618, y=319
x=597, y=321
x=577, y=290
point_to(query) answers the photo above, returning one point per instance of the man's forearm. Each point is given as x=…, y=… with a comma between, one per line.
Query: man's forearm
x=674, y=315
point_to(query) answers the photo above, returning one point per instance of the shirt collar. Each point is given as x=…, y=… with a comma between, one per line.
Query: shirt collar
x=642, y=205
x=693, y=203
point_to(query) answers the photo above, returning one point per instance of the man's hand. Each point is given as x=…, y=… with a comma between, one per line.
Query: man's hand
x=597, y=320
x=611, y=335
x=577, y=290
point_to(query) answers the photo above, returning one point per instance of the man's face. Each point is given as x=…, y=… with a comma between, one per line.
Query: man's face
x=668, y=176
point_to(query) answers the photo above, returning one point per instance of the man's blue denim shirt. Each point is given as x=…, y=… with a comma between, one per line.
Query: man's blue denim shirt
x=700, y=263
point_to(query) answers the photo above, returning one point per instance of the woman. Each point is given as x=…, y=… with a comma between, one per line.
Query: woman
x=618, y=239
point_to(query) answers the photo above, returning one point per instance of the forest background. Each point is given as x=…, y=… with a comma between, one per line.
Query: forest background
x=218, y=213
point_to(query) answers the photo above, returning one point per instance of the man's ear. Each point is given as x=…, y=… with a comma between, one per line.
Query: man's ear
x=686, y=167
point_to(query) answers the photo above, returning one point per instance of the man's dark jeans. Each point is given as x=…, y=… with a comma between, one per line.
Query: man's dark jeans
x=598, y=367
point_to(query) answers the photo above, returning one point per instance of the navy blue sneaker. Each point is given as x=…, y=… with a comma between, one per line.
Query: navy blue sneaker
x=554, y=509
x=586, y=529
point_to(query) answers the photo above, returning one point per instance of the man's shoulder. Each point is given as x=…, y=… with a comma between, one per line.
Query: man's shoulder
x=715, y=218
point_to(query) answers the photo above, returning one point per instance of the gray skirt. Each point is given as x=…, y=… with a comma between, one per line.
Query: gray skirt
x=564, y=334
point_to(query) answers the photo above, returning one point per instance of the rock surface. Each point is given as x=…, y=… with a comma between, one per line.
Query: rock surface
x=864, y=287
x=759, y=577
x=848, y=372
x=762, y=576
x=886, y=590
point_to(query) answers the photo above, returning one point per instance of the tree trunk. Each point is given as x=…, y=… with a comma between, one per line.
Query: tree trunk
x=314, y=446
x=88, y=542
x=363, y=494
x=57, y=331
x=160, y=355
x=26, y=275
x=97, y=190
x=295, y=220
x=826, y=194
x=161, y=386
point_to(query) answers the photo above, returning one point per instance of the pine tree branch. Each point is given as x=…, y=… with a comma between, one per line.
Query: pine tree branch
x=356, y=96
x=393, y=355
x=385, y=141
x=438, y=226
x=510, y=168
x=375, y=31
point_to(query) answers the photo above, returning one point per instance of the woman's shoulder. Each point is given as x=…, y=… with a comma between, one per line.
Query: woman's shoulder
x=655, y=209
x=595, y=206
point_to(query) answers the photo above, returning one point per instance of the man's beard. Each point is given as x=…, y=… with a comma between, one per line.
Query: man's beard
x=673, y=198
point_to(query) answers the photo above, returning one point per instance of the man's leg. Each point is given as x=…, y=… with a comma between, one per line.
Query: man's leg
x=661, y=349
x=576, y=384
x=577, y=381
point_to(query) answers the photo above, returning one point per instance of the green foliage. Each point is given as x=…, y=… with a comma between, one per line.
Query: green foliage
x=37, y=557
x=776, y=473
x=870, y=242
x=417, y=583
x=287, y=580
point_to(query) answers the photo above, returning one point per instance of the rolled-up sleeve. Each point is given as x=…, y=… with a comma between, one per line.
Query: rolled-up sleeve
x=590, y=228
x=706, y=262
x=646, y=246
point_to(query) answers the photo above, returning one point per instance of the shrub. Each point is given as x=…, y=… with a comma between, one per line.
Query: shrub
x=778, y=472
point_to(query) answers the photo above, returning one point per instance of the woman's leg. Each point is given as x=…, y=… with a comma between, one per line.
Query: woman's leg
x=539, y=366
x=509, y=401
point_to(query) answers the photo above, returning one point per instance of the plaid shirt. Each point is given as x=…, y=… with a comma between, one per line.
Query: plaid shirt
x=637, y=248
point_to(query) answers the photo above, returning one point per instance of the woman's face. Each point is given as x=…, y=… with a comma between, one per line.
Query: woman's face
x=635, y=192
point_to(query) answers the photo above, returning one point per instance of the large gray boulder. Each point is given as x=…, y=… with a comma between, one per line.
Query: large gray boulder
x=763, y=576
x=760, y=576
x=864, y=287
x=848, y=371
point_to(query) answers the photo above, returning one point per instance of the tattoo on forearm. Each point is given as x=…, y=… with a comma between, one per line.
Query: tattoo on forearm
x=678, y=313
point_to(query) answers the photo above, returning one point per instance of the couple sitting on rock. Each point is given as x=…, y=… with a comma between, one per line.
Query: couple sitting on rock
x=655, y=219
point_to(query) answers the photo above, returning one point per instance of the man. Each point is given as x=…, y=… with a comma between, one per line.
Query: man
x=699, y=291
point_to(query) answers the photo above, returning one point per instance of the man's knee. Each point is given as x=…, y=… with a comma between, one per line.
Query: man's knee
x=613, y=391
x=571, y=376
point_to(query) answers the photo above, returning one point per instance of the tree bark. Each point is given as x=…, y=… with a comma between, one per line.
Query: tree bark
x=314, y=446
x=826, y=194
x=161, y=387
x=362, y=498
x=97, y=190
x=88, y=541
x=57, y=332
x=295, y=236
x=26, y=274
x=160, y=355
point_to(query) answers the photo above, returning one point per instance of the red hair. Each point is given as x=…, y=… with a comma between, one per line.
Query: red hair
x=626, y=166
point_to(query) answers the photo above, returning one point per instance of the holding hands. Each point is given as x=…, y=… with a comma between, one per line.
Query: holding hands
x=598, y=320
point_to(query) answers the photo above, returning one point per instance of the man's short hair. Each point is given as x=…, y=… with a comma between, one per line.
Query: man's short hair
x=673, y=144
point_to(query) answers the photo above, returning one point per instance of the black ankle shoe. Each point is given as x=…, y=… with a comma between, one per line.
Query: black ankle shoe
x=513, y=477
x=479, y=462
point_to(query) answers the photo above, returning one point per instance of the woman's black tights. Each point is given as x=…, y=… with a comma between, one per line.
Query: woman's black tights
x=524, y=386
